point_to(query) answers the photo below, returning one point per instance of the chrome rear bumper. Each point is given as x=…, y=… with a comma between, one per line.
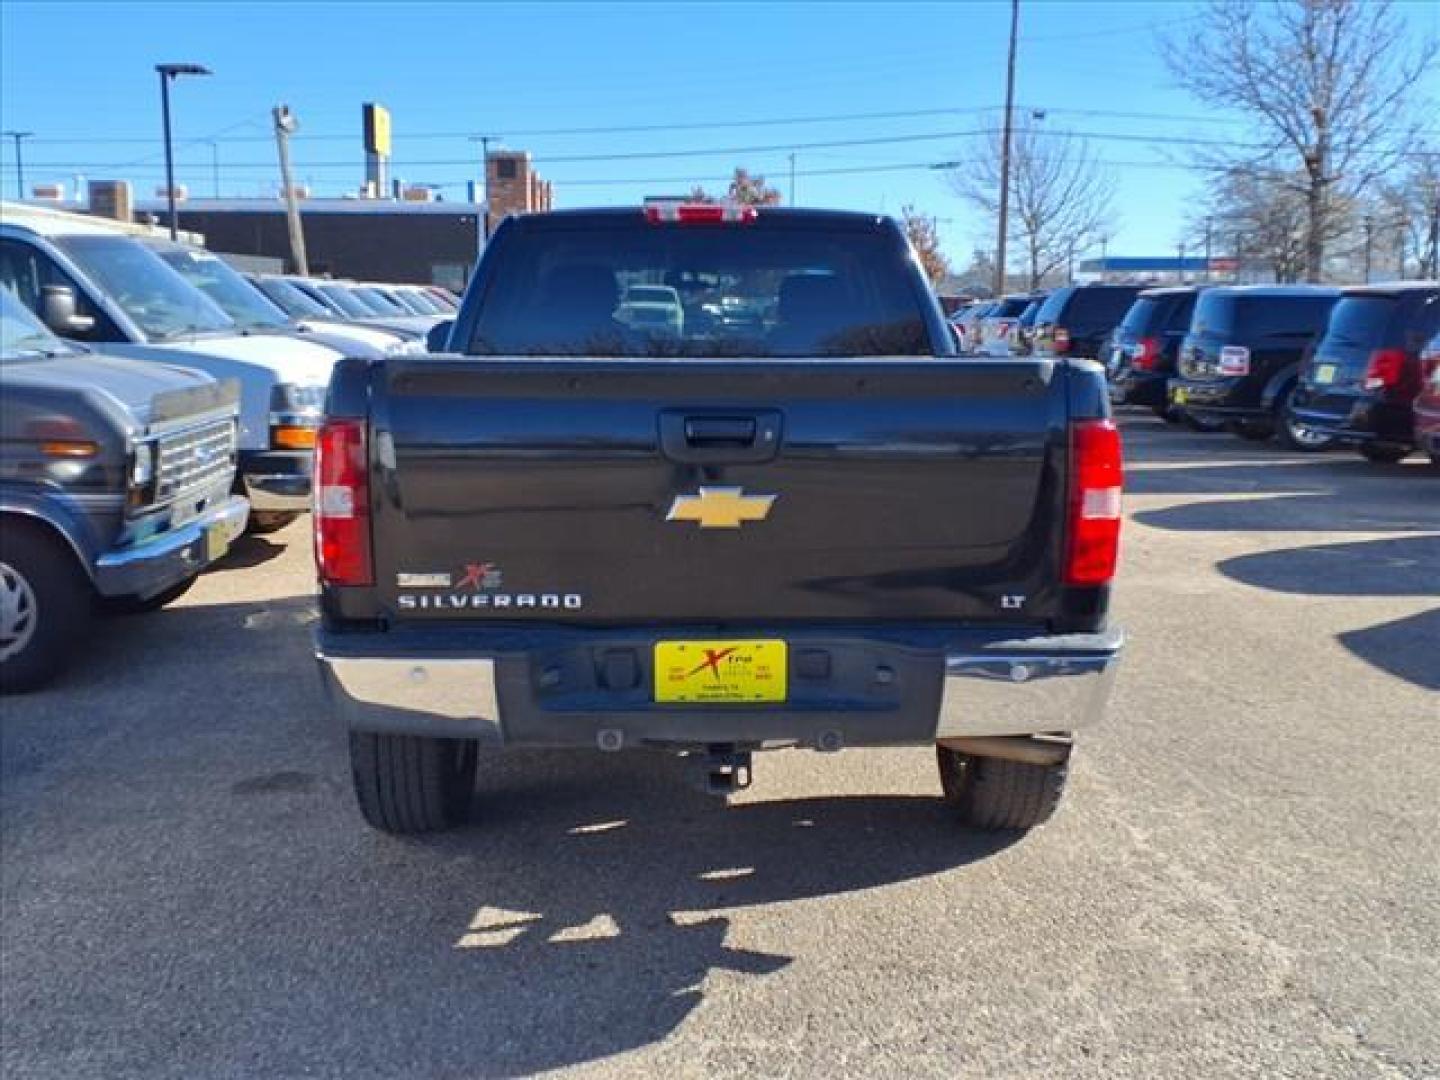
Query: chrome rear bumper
x=1029, y=686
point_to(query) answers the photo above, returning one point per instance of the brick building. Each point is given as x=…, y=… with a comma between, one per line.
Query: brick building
x=514, y=185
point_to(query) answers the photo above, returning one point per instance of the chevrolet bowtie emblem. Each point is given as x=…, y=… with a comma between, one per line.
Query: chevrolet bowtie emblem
x=720, y=508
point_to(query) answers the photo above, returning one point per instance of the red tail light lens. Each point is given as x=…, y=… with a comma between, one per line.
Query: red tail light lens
x=1146, y=354
x=1061, y=338
x=1096, y=480
x=1386, y=370
x=342, y=505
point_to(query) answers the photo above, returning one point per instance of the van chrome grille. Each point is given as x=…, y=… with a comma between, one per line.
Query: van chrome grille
x=193, y=459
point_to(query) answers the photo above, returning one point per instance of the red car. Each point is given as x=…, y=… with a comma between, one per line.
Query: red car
x=1427, y=405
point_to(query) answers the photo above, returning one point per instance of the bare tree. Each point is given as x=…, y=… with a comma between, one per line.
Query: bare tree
x=1413, y=203
x=1261, y=222
x=920, y=231
x=745, y=187
x=1061, y=199
x=1326, y=85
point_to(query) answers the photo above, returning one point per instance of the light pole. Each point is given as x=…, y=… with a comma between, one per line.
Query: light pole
x=168, y=72
x=1369, y=224
x=1004, y=225
x=485, y=141
x=1208, y=240
x=19, y=161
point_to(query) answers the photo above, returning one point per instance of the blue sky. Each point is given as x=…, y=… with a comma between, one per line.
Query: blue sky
x=81, y=77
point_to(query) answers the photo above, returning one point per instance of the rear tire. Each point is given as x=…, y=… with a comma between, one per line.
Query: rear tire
x=1382, y=453
x=990, y=793
x=45, y=606
x=411, y=783
x=269, y=521
x=1194, y=423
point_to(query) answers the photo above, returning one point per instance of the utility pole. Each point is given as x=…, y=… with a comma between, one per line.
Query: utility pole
x=1369, y=223
x=1004, y=228
x=485, y=141
x=19, y=161
x=286, y=124
x=1239, y=255
x=215, y=165
x=792, y=179
x=1208, y=235
x=169, y=73
x=1435, y=233
x=1180, y=265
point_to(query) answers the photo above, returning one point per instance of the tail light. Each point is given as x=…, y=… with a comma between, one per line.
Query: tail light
x=1061, y=338
x=1234, y=360
x=678, y=211
x=342, y=504
x=1145, y=354
x=1096, y=479
x=1430, y=368
x=1386, y=370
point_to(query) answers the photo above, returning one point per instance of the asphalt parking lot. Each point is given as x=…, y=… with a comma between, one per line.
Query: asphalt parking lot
x=1244, y=880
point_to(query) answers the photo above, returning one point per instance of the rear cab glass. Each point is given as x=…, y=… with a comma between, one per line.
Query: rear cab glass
x=816, y=289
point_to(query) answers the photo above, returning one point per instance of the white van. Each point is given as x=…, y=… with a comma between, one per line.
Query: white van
x=94, y=281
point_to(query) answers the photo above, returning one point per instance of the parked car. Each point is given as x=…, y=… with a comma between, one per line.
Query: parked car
x=654, y=308
x=1023, y=340
x=731, y=573
x=253, y=313
x=1360, y=387
x=1240, y=361
x=1145, y=347
x=1076, y=320
x=998, y=324
x=115, y=486
x=311, y=315
x=1427, y=405
x=94, y=282
x=351, y=303
x=967, y=324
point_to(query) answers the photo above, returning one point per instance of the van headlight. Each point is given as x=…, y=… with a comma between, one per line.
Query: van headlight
x=295, y=414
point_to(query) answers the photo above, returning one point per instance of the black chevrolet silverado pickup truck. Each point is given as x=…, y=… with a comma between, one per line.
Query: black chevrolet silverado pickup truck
x=788, y=515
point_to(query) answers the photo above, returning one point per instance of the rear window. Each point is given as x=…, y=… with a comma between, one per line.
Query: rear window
x=1098, y=307
x=1247, y=318
x=1050, y=310
x=1360, y=320
x=1010, y=308
x=1150, y=315
x=743, y=291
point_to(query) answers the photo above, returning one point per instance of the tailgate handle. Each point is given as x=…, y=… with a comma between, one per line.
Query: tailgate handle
x=692, y=437
x=719, y=431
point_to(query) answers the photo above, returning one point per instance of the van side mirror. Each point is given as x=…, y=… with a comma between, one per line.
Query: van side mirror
x=58, y=309
x=437, y=339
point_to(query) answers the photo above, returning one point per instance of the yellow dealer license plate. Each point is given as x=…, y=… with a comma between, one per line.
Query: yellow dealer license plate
x=720, y=672
x=1179, y=395
x=1325, y=374
x=217, y=541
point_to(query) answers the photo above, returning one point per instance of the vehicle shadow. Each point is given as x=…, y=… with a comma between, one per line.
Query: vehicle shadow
x=1397, y=566
x=584, y=913
x=248, y=550
x=1407, y=648
x=1319, y=512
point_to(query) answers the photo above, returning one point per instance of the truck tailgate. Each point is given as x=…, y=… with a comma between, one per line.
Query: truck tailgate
x=640, y=491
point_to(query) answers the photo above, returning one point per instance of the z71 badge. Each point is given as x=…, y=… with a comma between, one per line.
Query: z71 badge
x=476, y=588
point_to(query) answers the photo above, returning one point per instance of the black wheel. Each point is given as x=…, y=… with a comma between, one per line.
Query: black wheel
x=993, y=794
x=1384, y=453
x=1292, y=434
x=413, y=784
x=268, y=521
x=131, y=605
x=45, y=606
x=1435, y=461
x=1166, y=413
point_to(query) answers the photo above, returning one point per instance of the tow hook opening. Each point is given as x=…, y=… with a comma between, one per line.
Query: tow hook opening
x=721, y=769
